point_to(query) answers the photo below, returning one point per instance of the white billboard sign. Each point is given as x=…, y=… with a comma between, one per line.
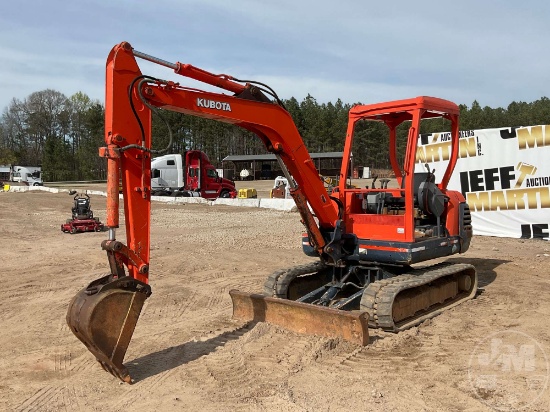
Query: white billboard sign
x=504, y=174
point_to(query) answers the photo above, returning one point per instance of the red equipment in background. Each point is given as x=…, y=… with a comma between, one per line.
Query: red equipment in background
x=83, y=219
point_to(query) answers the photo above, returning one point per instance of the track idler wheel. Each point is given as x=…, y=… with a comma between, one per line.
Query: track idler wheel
x=104, y=315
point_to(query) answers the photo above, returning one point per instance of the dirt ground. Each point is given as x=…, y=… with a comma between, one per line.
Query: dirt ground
x=187, y=354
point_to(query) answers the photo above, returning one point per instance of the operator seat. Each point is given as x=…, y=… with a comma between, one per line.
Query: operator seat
x=81, y=209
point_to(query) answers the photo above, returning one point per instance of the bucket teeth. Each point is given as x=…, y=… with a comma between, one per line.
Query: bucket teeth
x=104, y=315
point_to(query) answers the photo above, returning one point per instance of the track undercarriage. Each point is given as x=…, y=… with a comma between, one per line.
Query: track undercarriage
x=395, y=298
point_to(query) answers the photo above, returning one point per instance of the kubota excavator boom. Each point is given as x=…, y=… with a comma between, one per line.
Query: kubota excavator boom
x=365, y=238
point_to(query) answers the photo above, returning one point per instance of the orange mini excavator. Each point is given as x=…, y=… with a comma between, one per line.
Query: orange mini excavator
x=366, y=239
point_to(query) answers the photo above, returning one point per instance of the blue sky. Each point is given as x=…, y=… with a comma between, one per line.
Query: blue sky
x=359, y=51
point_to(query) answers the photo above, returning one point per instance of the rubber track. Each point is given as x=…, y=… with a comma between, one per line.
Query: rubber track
x=379, y=296
x=277, y=283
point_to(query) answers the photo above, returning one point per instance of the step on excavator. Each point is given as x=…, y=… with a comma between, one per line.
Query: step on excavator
x=366, y=240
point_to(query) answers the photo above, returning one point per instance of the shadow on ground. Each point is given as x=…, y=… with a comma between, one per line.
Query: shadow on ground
x=170, y=358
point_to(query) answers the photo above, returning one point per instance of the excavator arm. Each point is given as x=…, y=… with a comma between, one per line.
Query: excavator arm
x=104, y=314
x=131, y=95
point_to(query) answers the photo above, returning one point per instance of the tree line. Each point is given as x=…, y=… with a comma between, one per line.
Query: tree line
x=62, y=134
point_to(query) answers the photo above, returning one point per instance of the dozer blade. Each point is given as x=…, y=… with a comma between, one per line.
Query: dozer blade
x=104, y=315
x=301, y=317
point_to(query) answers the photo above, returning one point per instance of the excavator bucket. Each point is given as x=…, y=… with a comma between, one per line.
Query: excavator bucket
x=104, y=315
x=301, y=317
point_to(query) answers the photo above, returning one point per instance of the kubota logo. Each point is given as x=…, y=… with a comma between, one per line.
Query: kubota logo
x=212, y=104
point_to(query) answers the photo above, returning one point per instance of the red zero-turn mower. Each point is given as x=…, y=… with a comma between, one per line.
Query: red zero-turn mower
x=83, y=218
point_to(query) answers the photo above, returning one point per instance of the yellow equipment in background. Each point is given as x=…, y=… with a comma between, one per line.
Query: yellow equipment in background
x=247, y=194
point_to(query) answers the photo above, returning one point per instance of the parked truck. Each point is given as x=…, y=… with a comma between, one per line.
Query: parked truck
x=29, y=175
x=190, y=175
